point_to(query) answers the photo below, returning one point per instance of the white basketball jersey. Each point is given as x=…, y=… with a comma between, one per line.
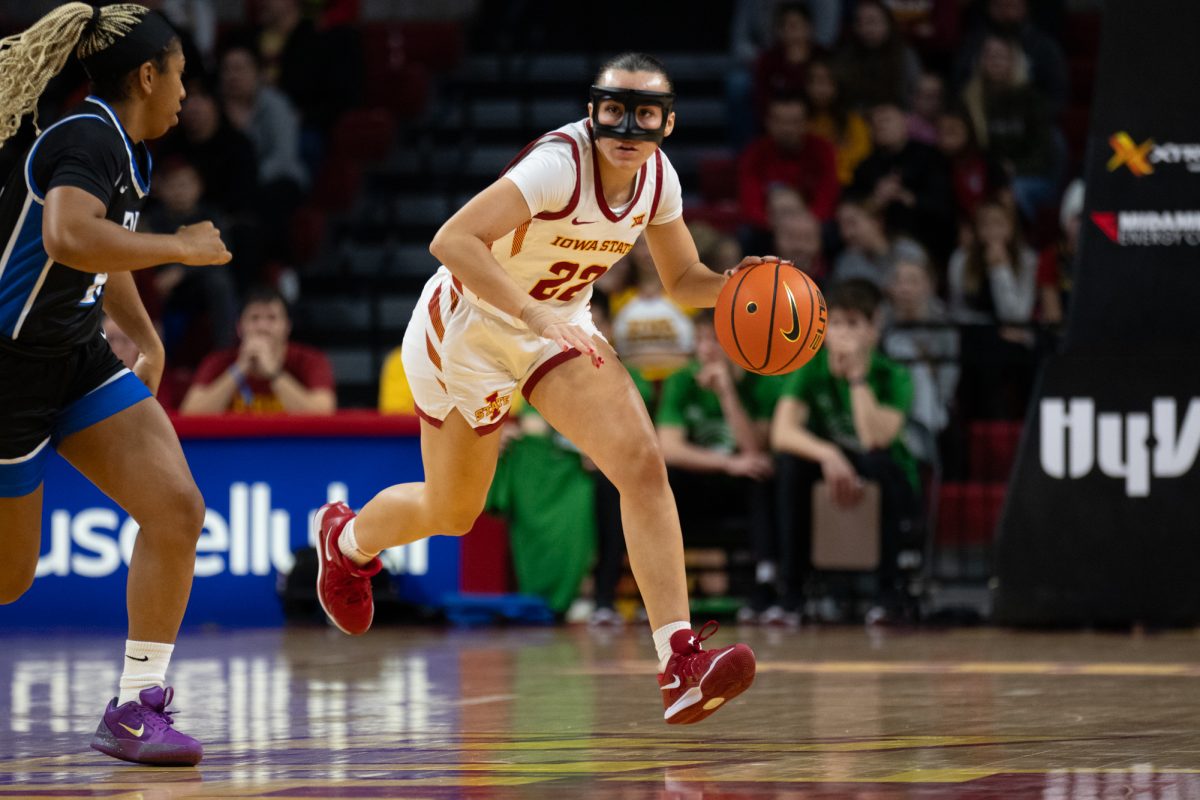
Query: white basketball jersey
x=557, y=255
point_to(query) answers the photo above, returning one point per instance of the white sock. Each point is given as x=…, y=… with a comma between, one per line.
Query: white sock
x=349, y=545
x=662, y=640
x=145, y=666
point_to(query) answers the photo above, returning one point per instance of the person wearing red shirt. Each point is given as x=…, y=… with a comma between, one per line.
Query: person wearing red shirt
x=787, y=155
x=266, y=372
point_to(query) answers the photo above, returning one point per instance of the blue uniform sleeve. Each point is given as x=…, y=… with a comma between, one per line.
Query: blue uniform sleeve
x=83, y=153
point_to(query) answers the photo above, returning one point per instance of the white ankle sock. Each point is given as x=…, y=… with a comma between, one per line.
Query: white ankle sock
x=145, y=666
x=662, y=640
x=349, y=545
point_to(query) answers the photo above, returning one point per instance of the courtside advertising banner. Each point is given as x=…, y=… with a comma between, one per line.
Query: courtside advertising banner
x=1100, y=524
x=260, y=494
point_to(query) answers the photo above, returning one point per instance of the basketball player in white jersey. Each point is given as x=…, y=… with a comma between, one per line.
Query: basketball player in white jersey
x=509, y=312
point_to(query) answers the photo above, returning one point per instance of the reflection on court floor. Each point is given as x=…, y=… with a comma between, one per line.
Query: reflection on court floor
x=543, y=713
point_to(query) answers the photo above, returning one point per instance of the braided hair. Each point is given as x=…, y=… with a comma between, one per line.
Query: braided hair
x=28, y=60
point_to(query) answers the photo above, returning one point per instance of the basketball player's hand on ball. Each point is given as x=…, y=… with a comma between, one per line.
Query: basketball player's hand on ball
x=747, y=262
x=202, y=245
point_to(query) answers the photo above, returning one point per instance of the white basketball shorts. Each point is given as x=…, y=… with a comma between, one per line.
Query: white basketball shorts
x=458, y=356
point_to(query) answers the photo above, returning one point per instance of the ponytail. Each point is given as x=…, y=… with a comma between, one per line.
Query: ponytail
x=28, y=60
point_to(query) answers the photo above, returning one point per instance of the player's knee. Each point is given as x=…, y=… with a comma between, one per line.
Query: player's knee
x=641, y=470
x=185, y=505
x=13, y=586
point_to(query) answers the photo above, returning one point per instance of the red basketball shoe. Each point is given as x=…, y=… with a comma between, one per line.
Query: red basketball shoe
x=697, y=682
x=343, y=587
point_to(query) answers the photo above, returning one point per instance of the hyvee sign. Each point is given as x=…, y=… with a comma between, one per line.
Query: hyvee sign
x=1133, y=446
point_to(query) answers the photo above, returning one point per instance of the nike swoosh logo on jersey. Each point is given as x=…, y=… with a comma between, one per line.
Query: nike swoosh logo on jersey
x=578, y=221
x=673, y=685
x=123, y=188
x=794, y=333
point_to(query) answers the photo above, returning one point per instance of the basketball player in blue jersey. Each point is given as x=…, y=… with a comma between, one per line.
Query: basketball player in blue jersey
x=509, y=312
x=68, y=216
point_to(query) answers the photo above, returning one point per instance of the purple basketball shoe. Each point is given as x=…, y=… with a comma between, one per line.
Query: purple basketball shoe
x=142, y=732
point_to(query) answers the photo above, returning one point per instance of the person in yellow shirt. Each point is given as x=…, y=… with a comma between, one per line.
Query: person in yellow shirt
x=830, y=119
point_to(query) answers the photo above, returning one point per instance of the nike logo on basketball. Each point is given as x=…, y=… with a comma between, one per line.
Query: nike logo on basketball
x=794, y=333
x=578, y=221
x=140, y=728
x=143, y=658
x=673, y=685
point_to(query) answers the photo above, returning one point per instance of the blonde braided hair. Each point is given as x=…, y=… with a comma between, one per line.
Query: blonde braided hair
x=28, y=60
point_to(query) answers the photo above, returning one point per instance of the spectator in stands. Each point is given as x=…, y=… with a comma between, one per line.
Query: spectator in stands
x=1056, y=267
x=876, y=65
x=266, y=372
x=713, y=246
x=753, y=31
x=994, y=278
x=223, y=155
x=907, y=181
x=928, y=102
x=918, y=334
x=840, y=419
x=1012, y=122
x=974, y=174
x=870, y=253
x=786, y=155
x=267, y=117
x=198, y=304
x=992, y=282
x=395, y=395
x=321, y=72
x=652, y=334
x=931, y=26
x=713, y=420
x=1047, y=64
x=781, y=69
x=547, y=497
x=197, y=20
x=798, y=239
x=832, y=119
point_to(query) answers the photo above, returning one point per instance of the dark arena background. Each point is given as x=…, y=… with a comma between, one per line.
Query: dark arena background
x=1017, y=184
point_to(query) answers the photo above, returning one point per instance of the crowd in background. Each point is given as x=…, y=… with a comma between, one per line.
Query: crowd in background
x=907, y=154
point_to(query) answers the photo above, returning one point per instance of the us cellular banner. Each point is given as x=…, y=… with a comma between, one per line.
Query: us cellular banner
x=1102, y=519
x=260, y=495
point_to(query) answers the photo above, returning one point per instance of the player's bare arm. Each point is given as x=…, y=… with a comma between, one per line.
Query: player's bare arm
x=76, y=233
x=463, y=244
x=123, y=303
x=687, y=281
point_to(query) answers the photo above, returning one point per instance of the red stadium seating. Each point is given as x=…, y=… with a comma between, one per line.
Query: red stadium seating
x=364, y=134
x=718, y=179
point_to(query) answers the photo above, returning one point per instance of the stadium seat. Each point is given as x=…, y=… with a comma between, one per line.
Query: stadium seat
x=308, y=233
x=337, y=184
x=364, y=134
x=993, y=449
x=718, y=178
x=724, y=216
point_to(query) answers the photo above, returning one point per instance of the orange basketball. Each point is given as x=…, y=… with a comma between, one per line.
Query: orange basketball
x=770, y=318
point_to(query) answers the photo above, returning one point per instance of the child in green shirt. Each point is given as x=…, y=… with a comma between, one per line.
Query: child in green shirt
x=839, y=419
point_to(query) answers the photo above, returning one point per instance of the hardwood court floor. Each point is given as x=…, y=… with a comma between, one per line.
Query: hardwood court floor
x=569, y=713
